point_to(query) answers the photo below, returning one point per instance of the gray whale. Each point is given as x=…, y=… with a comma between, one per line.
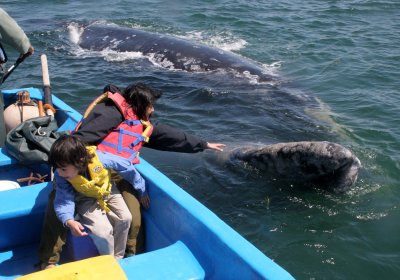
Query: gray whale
x=323, y=164
x=169, y=51
x=319, y=163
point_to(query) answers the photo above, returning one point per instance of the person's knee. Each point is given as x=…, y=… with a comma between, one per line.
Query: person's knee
x=127, y=218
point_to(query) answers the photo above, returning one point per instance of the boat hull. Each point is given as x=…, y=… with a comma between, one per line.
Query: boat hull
x=174, y=217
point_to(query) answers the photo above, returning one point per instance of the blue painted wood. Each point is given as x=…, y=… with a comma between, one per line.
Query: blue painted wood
x=5, y=158
x=175, y=215
x=18, y=261
x=172, y=262
x=78, y=248
x=21, y=215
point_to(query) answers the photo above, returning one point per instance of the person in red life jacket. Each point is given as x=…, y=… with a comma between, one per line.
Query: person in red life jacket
x=105, y=117
x=85, y=189
x=95, y=129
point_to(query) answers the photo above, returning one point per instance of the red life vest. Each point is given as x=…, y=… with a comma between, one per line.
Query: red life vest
x=128, y=137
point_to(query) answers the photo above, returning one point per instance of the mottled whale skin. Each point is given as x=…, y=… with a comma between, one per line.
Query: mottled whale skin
x=168, y=51
x=323, y=164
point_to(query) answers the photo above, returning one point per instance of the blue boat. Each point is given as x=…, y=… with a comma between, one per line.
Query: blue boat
x=184, y=239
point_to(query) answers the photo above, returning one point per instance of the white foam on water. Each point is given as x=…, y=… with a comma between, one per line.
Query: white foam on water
x=75, y=32
x=111, y=55
x=224, y=41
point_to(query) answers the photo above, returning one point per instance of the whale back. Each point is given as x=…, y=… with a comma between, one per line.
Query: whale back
x=168, y=51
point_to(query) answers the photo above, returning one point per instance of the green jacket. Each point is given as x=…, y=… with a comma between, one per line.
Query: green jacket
x=11, y=34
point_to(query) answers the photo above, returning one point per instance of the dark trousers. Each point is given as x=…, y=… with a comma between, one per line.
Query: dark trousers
x=54, y=234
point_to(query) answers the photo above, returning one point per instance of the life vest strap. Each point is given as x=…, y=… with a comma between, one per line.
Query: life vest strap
x=132, y=122
x=121, y=133
x=122, y=149
x=147, y=131
x=137, y=141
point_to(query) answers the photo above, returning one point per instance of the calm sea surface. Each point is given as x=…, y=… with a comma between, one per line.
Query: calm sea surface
x=338, y=66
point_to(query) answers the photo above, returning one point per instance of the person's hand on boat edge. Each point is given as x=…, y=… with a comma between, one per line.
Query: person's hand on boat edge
x=145, y=201
x=76, y=228
x=216, y=146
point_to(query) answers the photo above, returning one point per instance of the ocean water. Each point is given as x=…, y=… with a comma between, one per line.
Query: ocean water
x=337, y=69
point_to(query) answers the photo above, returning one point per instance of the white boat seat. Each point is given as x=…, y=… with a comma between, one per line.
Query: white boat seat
x=8, y=185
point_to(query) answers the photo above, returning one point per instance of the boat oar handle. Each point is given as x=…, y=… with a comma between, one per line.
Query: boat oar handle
x=22, y=58
x=48, y=103
x=45, y=70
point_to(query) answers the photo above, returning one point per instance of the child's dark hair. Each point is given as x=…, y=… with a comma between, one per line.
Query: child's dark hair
x=69, y=149
x=140, y=96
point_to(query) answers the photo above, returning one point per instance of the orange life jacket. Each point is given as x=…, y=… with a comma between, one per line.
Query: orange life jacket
x=128, y=137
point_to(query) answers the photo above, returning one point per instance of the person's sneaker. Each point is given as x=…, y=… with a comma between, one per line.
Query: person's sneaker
x=44, y=266
x=127, y=255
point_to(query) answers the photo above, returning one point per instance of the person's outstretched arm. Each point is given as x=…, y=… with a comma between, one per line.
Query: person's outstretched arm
x=168, y=138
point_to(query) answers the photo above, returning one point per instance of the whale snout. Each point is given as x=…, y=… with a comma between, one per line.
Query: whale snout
x=347, y=175
x=323, y=164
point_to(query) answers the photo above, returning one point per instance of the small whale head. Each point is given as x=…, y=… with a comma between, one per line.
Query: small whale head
x=322, y=164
